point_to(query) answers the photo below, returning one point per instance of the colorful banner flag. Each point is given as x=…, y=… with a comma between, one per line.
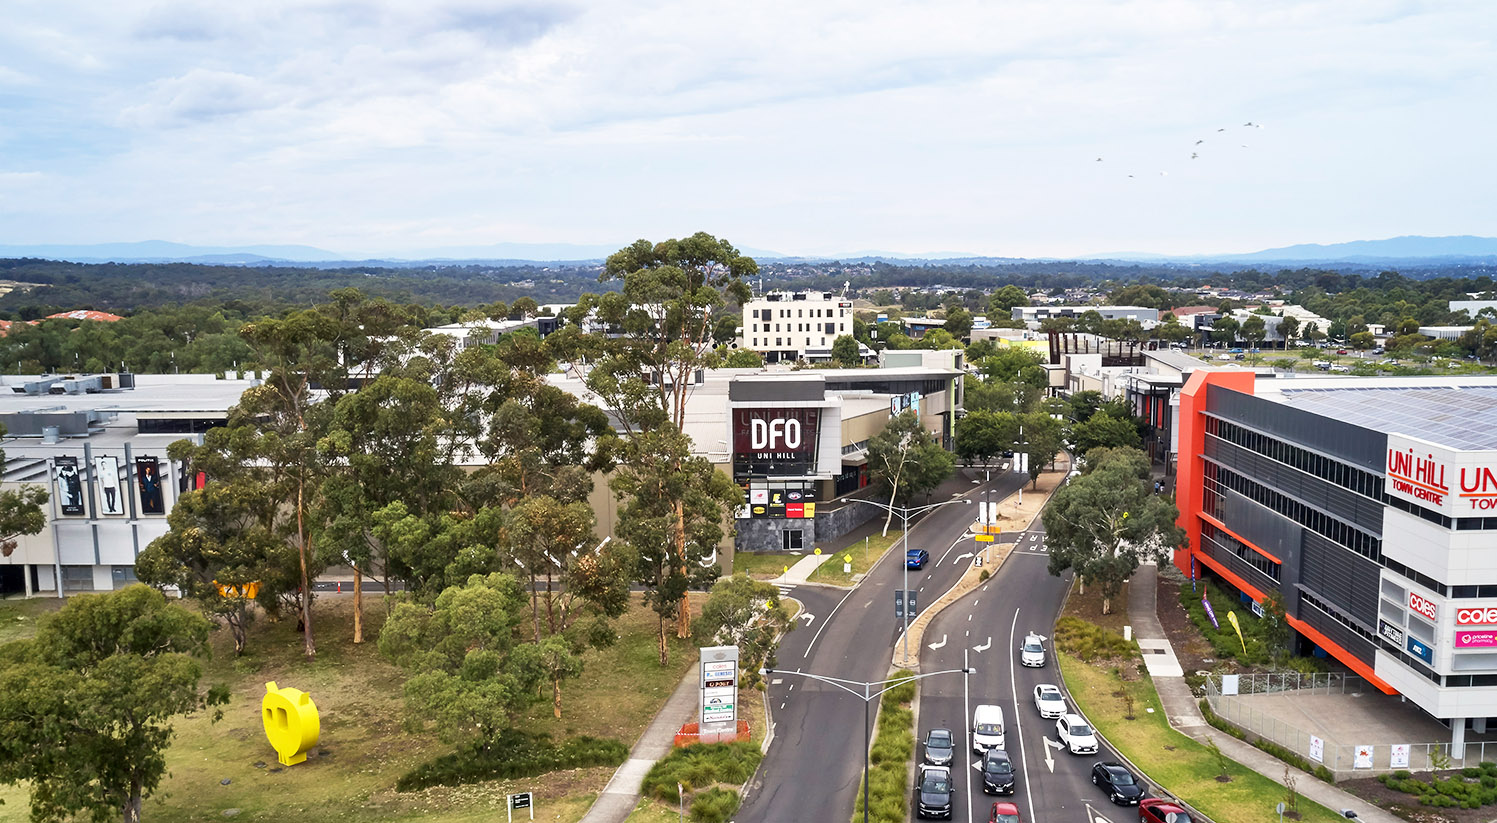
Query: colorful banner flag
x=1232, y=618
x=1210, y=612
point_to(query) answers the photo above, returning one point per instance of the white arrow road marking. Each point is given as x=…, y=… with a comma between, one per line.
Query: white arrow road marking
x=806, y=617
x=939, y=645
x=1093, y=816
x=961, y=557
x=984, y=647
x=1049, y=759
x=977, y=764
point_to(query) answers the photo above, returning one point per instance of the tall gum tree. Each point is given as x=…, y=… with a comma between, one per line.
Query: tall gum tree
x=658, y=333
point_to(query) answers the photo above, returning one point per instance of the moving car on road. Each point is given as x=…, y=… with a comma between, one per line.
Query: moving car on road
x=987, y=728
x=1004, y=813
x=1121, y=786
x=1159, y=810
x=933, y=792
x=1032, y=652
x=997, y=772
x=1049, y=701
x=939, y=747
x=916, y=558
x=1076, y=735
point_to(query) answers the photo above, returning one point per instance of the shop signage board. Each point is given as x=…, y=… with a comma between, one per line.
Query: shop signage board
x=1453, y=483
x=775, y=442
x=719, y=689
x=1390, y=632
x=1475, y=638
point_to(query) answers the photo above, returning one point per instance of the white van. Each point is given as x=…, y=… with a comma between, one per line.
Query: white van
x=987, y=728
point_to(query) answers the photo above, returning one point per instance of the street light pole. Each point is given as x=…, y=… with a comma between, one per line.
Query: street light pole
x=867, y=696
x=904, y=513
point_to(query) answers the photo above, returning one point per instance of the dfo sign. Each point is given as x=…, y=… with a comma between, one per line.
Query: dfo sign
x=780, y=433
x=774, y=442
x=1422, y=606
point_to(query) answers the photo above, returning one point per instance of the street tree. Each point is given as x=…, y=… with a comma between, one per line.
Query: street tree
x=746, y=613
x=744, y=359
x=1254, y=330
x=1224, y=330
x=845, y=351
x=1289, y=329
x=1042, y=437
x=1003, y=301
x=1105, y=522
x=1104, y=430
x=984, y=434
x=86, y=705
x=958, y=322
x=671, y=292
x=906, y=460
x=1171, y=330
x=1363, y=340
x=1313, y=333
x=20, y=511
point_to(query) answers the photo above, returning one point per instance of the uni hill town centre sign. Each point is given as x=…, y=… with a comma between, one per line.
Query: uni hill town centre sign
x=1454, y=483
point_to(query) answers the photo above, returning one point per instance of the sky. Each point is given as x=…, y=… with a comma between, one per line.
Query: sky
x=797, y=127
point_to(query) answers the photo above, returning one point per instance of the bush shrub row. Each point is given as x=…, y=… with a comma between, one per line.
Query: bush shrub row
x=1476, y=787
x=701, y=766
x=509, y=755
x=1091, y=643
x=1286, y=755
x=893, y=746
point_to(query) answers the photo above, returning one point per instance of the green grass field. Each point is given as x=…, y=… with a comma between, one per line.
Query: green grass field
x=763, y=565
x=364, y=747
x=862, y=560
x=1181, y=765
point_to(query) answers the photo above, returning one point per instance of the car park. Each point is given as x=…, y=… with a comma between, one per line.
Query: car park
x=916, y=558
x=997, y=772
x=1032, y=652
x=1121, y=786
x=1049, y=701
x=1004, y=813
x=939, y=747
x=1160, y=810
x=933, y=792
x=1076, y=735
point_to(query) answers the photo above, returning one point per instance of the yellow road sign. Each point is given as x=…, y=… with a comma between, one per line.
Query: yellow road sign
x=984, y=538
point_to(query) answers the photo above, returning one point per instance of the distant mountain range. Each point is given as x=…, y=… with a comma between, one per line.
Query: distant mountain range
x=1406, y=250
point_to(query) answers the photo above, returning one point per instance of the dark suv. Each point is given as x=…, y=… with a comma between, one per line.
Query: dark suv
x=997, y=772
x=933, y=792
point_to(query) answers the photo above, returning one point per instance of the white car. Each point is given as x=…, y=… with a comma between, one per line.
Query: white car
x=1032, y=653
x=1076, y=735
x=1049, y=701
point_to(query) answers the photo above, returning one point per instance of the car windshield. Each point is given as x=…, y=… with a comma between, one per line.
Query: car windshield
x=1049, y=695
x=997, y=766
x=1122, y=778
x=989, y=728
x=1006, y=818
x=1031, y=646
x=937, y=785
x=939, y=737
x=1080, y=730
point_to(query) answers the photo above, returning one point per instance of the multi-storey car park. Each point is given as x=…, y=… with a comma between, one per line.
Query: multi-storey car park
x=1370, y=505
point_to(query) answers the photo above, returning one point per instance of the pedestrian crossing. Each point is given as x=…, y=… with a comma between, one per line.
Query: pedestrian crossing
x=784, y=589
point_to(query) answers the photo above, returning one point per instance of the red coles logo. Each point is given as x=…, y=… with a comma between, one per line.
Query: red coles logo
x=1422, y=606
x=1476, y=617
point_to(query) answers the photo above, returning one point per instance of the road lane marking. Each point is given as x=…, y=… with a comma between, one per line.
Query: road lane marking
x=940, y=644
x=825, y=623
x=984, y=647
x=1013, y=683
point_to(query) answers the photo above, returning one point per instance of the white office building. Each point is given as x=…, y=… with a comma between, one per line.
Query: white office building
x=789, y=326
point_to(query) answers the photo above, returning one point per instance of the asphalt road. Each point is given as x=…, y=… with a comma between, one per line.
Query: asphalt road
x=1053, y=785
x=814, y=768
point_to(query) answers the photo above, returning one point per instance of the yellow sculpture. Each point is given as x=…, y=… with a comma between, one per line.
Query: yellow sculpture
x=291, y=722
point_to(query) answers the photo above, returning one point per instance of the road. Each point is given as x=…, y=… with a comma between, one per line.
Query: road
x=1053, y=786
x=813, y=771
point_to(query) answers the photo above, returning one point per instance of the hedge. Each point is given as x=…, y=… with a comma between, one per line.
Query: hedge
x=509, y=755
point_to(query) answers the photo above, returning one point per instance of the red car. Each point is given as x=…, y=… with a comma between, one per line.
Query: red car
x=1159, y=810
x=1004, y=813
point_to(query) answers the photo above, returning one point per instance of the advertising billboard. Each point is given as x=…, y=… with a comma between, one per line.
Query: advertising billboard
x=1454, y=483
x=148, y=479
x=69, y=486
x=775, y=442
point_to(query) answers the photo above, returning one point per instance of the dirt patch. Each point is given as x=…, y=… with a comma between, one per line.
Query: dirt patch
x=1407, y=806
x=1192, y=650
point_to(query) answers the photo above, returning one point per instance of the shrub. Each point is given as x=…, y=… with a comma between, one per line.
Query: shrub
x=893, y=746
x=701, y=765
x=714, y=806
x=509, y=755
x=1091, y=643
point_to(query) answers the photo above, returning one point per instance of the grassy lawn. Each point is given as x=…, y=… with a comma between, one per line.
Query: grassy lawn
x=18, y=617
x=763, y=565
x=1181, y=765
x=862, y=560
x=364, y=747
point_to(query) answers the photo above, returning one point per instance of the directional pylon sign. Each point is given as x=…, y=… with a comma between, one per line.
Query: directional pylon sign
x=719, y=693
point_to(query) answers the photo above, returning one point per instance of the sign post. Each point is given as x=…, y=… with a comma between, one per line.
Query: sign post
x=519, y=801
x=718, y=693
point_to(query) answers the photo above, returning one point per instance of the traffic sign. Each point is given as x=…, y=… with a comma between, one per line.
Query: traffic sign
x=984, y=538
x=910, y=595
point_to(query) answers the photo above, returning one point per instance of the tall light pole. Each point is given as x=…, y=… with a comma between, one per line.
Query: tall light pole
x=867, y=695
x=905, y=512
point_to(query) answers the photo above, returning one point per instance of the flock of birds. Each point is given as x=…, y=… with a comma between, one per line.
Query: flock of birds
x=1195, y=155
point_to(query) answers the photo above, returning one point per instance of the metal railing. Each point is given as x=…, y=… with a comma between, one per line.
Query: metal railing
x=1344, y=760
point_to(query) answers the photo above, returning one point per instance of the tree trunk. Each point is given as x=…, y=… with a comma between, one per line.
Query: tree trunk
x=556, y=696
x=358, y=605
x=132, y=806
x=535, y=606
x=550, y=605
x=664, y=646
x=309, y=644
x=1107, y=605
x=889, y=518
x=683, y=609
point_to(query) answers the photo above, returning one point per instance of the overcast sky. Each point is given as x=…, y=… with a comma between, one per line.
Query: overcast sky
x=799, y=127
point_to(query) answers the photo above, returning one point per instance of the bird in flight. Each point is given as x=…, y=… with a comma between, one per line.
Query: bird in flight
x=1193, y=155
x=1199, y=142
x=1099, y=159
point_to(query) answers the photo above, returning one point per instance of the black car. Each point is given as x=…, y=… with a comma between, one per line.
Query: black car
x=939, y=747
x=1121, y=786
x=997, y=772
x=933, y=792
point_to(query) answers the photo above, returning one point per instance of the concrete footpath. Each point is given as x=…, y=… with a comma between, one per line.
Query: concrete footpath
x=621, y=795
x=1184, y=712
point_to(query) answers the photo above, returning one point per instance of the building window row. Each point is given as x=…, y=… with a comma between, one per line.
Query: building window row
x=1422, y=579
x=1311, y=518
x=1341, y=474
x=1230, y=545
x=1335, y=614
x=1411, y=662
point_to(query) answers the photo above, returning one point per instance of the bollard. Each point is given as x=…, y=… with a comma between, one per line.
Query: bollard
x=1127, y=632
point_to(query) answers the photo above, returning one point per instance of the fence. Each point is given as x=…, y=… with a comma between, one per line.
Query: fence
x=1345, y=760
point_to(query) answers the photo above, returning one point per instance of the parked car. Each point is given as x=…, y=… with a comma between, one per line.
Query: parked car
x=1004, y=813
x=939, y=747
x=1236, y=351
x=916, y=558
x=1160, y=810
x=1032, y=653
x=1121, y=786
x=933, y=792
x=1240, y=356
x=997, y=772
x=1049, y=701
x=1076, y=735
